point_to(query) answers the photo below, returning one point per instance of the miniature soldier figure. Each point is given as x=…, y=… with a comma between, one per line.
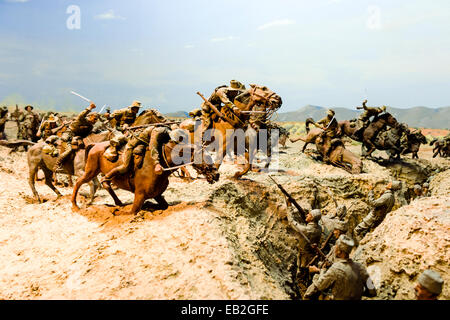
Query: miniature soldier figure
x=381, y=207
x=429, y=285
x=346, y=279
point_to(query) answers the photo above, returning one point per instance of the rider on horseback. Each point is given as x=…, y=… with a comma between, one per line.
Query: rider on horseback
x=126, y=115
x=364, y=119
x=331, y=130
x=79, y=129
x=221, y=95
x=154, y=138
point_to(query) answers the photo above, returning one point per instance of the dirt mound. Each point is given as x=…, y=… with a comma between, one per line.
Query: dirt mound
x=410, y=240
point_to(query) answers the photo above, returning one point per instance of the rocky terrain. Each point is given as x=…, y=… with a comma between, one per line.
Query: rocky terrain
x=230, y=240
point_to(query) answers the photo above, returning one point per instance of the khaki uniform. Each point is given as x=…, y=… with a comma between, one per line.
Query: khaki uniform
x=47, y=127
x=381, y=207
x=313, y=232
x=344, y=280
x=364, y=119
x=153, y=137
x=29, y=121
x=124, y=116
x=79, y=129
x=221, y=95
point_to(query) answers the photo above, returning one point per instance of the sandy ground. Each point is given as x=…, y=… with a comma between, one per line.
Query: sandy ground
x=49, y=252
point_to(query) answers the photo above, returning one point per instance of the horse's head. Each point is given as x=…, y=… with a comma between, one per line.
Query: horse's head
x=389, y=119
x=179, y=149
x=420, y=137
x=207, y=168
x=264, y=96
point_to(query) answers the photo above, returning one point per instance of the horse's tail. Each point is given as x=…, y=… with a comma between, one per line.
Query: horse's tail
x=432, y=142
x=307, y=123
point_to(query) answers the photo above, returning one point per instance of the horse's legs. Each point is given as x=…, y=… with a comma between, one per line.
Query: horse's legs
x=304, y=146
x=185, y=174
x=49, y=181
x=94, y=184
x=162, y=202
x=247, y=166
x=139, y=199
x=87, y=176
x=370, y=146
x=31, y=180
x=69, y=177
x=111, y=192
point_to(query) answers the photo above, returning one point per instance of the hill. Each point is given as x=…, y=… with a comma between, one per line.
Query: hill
x=415, y=117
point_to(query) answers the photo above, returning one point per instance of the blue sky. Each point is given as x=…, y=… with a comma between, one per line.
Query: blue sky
x=332, y=53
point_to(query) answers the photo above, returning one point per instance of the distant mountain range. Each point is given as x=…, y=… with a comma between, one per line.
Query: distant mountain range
x=415, y=117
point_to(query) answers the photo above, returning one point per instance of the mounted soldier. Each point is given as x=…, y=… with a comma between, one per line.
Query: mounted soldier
x=364, y=119
x=78, y=129
x=330, y=128
x=222, y=96
x=153, y=137
x=48, y=127
x=126, y=115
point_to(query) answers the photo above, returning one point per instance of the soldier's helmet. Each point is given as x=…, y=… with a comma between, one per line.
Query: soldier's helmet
x=426, y=185
x=345, y=244
x=234, y=84
x=316, y=214
x=331, y=112
x=384, y=108
x=432, y=281
x=396, y=185
x=51, y=117
x=195, y=113
x=29, y=107
x=135, y=104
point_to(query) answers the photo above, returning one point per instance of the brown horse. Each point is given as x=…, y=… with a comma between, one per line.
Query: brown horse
x=439, y=148
x=415, y=139
x=145, y=184
x=339, y=155
x=378, y=124
x=222, y=130
x=37, y=159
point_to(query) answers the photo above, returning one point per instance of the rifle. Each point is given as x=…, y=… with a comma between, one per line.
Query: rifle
x=152, y=125
x=252, y=112
x=220, y=114
x=292, y=200
x=16, y=115
x=321, y=248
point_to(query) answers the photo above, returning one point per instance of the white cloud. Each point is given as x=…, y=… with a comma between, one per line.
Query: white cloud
x=276, y=23
x=229, y=38
x=189, y=46
x=109, y=15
